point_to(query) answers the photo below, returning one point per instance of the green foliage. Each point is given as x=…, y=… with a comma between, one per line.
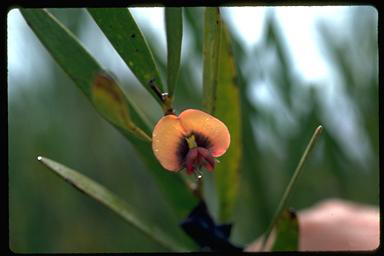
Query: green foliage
x=116, y=204
x=219, y=88
x=64, y=47
x=111, y=102
x=80, y=67
x=122, y=31
x=246, y=187
x=227, y=171
x=94, y=86
x=174, y=30
x=281, y=209
x=211, y=48
x=287, y=232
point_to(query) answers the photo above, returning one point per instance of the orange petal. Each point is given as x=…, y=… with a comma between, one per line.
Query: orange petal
x=166, y=138
x=193, y=120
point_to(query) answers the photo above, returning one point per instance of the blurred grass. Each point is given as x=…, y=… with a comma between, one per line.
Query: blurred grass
x=50, y=111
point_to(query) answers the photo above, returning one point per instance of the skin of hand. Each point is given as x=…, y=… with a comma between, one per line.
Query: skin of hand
x=336, y=225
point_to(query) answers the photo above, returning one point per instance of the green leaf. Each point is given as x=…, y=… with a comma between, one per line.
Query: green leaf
x=227, y=171
x=83, y=70
x=113, y=202
x=252, y=183
x=284, y=200
x=63, y=47
x=211, y=46
x=219, y=88
x=174, y=30
x=286, y=232
x=120, y=28
x=111, y=102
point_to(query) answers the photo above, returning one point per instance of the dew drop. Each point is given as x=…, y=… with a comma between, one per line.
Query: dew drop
x=198, y=174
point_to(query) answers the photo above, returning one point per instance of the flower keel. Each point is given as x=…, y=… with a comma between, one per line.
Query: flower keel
x=197, y=157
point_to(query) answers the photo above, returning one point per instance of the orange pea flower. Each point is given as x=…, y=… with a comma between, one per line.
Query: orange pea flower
x=190, y=140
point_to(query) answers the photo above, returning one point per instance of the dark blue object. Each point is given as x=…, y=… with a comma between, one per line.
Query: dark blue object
x=202, y=229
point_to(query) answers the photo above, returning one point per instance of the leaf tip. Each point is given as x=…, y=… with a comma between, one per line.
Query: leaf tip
x=319, y=129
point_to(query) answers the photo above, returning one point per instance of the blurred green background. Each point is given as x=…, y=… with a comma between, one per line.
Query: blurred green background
x=48, y=115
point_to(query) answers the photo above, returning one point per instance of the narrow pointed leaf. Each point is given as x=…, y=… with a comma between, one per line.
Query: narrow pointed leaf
x=286, y=232
x=113, y=202
x=111, y=102
x=80, y=66
x=120, y=28
x=63, y=46
x=287, y=193
x=85, y=72
x=174, y=30
x=227, y=171
x=211, y=46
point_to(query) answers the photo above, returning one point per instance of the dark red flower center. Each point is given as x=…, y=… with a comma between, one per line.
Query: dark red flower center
x=197, y=157
x=193, y=157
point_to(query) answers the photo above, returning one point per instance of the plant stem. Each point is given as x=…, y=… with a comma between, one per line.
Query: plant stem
x=194, y=187
x=165, y=99
x=284, y=199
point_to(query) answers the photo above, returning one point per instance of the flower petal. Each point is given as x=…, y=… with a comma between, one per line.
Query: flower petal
x=207, y=159
x=193, y=120
x=190, y=160
x=166, y=138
